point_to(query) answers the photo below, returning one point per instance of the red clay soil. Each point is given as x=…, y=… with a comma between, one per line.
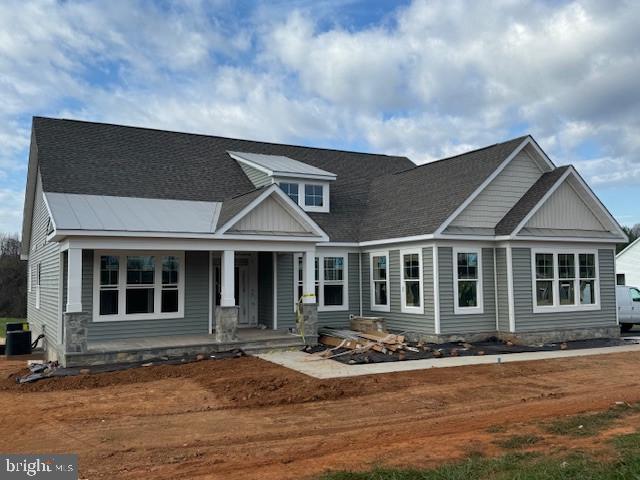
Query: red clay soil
x=246, y=418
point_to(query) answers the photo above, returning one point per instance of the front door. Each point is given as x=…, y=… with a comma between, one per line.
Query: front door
x=242, y=292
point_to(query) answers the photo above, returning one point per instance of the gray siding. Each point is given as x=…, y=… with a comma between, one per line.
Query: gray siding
x=46, y=318
x=286, y=315
x=258, y=178
x=481, y=322
x=265, y=289
x=395, y=318
x=196, y=309
x=503, y=289
x=526, y=320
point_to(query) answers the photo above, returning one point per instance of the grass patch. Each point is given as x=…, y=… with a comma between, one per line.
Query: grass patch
x=496, y=429
x=518, y=441
x=521, y=466
x=589, y=424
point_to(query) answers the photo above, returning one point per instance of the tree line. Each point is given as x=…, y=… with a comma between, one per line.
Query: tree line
x=13, y=278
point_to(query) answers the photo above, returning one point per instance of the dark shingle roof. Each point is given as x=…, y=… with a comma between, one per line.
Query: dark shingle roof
x=529, y=200
x=417, y=201
x=233, y=206
x=103, y=159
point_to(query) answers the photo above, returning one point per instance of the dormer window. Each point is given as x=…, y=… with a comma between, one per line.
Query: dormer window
x=291, y=189
x=313, y=196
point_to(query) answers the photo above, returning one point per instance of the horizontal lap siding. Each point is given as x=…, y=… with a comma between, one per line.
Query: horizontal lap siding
x=469, y=323
x=265, y=289
x=526, y=320
x=503, y=289
x=46, y=318
x=196, y=309
x=395, y=318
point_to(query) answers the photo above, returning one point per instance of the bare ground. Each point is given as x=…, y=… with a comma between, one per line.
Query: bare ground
x=247, y=418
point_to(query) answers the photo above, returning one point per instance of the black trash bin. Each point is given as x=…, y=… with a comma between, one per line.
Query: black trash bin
x=18, y=342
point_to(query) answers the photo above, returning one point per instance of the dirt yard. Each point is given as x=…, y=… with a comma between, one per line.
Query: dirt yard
x=246, y=418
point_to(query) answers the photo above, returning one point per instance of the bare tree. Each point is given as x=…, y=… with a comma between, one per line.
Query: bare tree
x=632, y=232
x=13, y=278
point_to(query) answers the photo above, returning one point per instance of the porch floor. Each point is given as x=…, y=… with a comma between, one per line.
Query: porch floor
x=248, y=338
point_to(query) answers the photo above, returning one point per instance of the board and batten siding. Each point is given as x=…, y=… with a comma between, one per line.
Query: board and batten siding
x=269, y=217
x=527, y=321
x=46, y=319
x=503, y=289
x=493, y=203
x=258, y=178
x=466, y=323
x=196, y=307
x=285, y=295
x=265, y=289
x=395, y=318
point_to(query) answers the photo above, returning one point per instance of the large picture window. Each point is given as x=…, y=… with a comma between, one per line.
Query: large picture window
x=138, y=286
x=379, y=275
x=411, y=281
x=330, y=280
x=467, y=280
x=564, y=280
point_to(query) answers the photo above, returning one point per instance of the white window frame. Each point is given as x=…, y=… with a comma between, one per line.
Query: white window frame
x=576, y=306
x=404, y=308
x=38, y=279
x=301, y=194
x=320, y=300
x=122, y=286
x=479, y=308
x=379, y=307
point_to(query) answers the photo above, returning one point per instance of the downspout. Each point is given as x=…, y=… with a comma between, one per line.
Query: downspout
x=360, y=279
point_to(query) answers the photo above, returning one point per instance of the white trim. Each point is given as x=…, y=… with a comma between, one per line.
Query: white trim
x=495, y=289
x=60, y=297
x=479, y=308
x=403, y=307
x=302, y=202
x=576, y=306
x=274, y=257
x=510, y=295
x=211, y=290
x=277, y=173
x=360, y=282
x=482, y=186
x=375, y=307
x=320, y=300
x=436, y=290
x=122, y=286
x=38, y=278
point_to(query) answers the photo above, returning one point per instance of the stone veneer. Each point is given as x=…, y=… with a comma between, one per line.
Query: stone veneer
x=226, y=324
x=75, y=332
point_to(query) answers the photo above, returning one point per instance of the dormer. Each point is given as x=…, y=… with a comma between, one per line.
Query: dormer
x=305, y=184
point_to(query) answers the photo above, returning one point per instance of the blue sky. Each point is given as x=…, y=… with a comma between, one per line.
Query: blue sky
x=426, y=79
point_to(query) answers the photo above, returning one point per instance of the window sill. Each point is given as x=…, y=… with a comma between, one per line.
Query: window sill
x=413, y=310
x=468, y=310
x=139, y=316
x=567, y=308
x=333, y=308
x=380, y=308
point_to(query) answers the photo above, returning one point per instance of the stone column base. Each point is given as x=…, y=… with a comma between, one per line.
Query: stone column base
x=226, y=324
x=309, y=326
x=75, y=332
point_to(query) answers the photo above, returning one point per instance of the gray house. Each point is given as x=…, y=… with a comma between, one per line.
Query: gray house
x=145, y=242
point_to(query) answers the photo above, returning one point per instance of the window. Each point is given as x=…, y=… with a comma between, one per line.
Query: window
x=635, y=294
x=313, y=195
x=138, y=286
x=467, y=281
x=620, y=280
x=291, y=189
x=38, y=278
x=380, y=281
x=565, y=281
x=331, y=287
x=411, y=283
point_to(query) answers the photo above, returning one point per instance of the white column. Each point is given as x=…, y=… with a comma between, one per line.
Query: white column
x=227, y=274
x=309, y=277
x=74, y=280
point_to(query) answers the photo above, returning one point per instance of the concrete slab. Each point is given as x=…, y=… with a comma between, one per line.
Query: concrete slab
x=326, y=368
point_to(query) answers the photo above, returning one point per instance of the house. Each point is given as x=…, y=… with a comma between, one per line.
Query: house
x=144, y=242
x=628, y=265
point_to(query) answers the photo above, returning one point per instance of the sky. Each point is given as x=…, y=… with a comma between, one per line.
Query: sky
x=425, y=79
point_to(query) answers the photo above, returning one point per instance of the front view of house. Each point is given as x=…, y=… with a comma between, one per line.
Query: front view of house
x=144, y=243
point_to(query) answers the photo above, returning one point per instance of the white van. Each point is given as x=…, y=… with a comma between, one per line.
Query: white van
x=628, y=300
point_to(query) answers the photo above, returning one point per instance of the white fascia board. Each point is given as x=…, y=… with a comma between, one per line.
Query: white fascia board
x=278, y=173
x=628, y=247
x=312, y=176
x=484, y=185
x=541, y=153
x=257, y=166
x=285, y=202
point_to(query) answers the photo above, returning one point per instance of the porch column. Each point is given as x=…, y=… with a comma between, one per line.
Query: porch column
x=227, y=311
x=307, y=320
x=74, y=280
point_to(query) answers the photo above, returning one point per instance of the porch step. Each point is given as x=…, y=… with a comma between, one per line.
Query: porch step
x=264, y=346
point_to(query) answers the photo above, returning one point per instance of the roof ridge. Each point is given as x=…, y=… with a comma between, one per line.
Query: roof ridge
x=220, y=136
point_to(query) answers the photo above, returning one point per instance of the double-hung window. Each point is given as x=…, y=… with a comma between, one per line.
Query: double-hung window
x=330, y=281
x=565, y=280
x=313, y=195
x=291, y=189
x=467, y=280
x=138, y=286
x=411, y=281
x=379, y=275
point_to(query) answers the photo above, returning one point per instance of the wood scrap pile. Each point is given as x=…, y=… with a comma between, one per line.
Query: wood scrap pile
x=359, y=342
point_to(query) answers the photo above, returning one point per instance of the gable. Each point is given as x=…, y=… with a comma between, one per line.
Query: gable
x=270, y=217
x=565, y=209
x=258, y=178
x=504, y=191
